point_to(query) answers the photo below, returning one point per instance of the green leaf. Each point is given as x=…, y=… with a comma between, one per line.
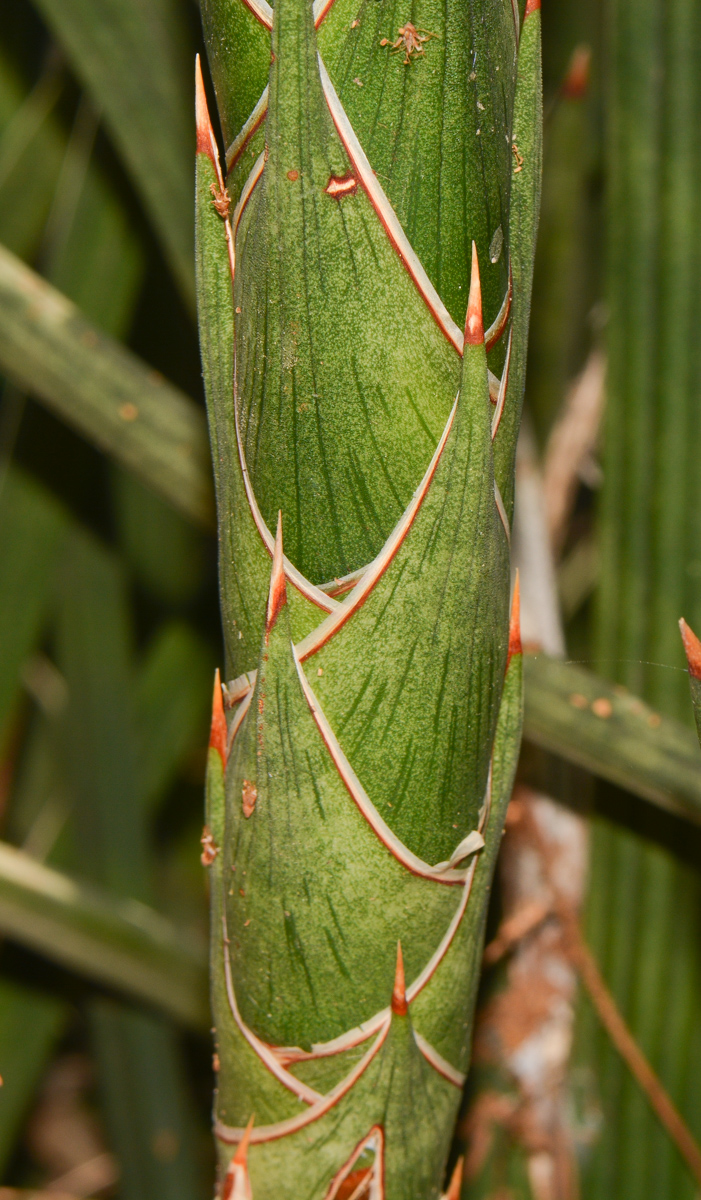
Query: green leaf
x=30, y=133
x=171, y=708
x=134, y=56
x=146, y=1103
x=121, y=943
x=33, y=528
x=98, y=386
x=110, y=836
x=613, y=734
x=31, y=1021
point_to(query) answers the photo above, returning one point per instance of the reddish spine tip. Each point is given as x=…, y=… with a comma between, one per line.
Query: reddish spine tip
x=277, y=595
x=206, y=141
x=531, y=7
x=474, y=329
x=455, y=1184
x=399, y=1004
x=576, y=81
x=241, y=1155
x=515, y=623
x=218, y=731
x=692, y=649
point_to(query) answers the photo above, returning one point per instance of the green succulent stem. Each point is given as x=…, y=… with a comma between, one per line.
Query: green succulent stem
x=364, y=390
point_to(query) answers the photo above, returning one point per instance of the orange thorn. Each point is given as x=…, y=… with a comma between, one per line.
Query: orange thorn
x=576, y=81
x=218, y=731
x=531, y=7
x=455, y=1184
x=241, y=1155
x=399, y=1004
x=237, y=1184
x=278, y=590
x=692, y=649
x=206, y=141
x=474, y=330
x=515, y=623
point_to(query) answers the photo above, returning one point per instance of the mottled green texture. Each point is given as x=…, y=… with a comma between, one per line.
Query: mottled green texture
x=366, y=755
x=339, y=413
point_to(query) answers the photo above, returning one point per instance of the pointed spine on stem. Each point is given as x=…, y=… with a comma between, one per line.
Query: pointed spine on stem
x=399, y=1001
x=692, y=649
x=218, y=731
x=277, y=596
x=237, y=1184
x=474, y=328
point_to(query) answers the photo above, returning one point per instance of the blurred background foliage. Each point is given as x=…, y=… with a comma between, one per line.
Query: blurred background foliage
x=109, y=627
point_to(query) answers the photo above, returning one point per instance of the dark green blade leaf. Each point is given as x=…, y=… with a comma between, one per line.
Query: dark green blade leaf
x=134, y=56
x=29, y=133
x=49, y=348
x=30, y=1023
x=172, y=707
x=146, y=1104
x=121, y=943
x=33, y=528
x=590, y=722
x=111, y=844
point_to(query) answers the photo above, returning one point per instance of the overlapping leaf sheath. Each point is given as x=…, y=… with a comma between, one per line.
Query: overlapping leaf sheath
x=356, y=791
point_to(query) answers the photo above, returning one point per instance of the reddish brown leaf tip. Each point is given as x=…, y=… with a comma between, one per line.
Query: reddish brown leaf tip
x=399, y=1004
x=455, y=1184
x=206, y=141
x=576, y=81
x=531, y=7
x=515, y=623
x=474, y=330
x=278, y=591
x=692, y=649
x=218, y=731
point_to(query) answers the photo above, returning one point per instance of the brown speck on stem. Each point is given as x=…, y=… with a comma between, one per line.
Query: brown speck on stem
x=128, y=411
x=221, y=200
x=518, y=159
x=577, y=700
x=602, y=707
x=215, y=1062
x=293, y=176
x=210, y=849
x=249, y=795
x=410, y=41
